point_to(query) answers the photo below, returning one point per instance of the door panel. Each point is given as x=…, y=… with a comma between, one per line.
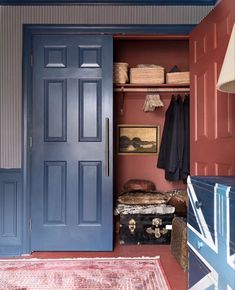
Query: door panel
x=212, y=113
x=71, y=196
x=90, y=193
x=54, y=192
x=55, y=111
x=90, y=110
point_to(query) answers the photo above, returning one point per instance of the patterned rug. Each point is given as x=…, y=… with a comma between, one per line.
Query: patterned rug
x=89, y=274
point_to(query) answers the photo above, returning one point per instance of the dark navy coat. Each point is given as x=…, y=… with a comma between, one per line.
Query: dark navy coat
x=174, y=149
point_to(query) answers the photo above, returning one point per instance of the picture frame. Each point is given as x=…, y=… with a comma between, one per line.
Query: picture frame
x=138, y=139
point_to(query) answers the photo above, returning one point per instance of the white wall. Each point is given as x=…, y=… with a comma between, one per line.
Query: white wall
x=11, y=20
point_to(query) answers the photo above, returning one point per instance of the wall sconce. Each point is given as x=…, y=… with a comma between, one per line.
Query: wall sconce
x=226, y=81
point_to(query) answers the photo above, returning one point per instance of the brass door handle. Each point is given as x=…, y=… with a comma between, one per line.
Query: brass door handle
x=106, y=147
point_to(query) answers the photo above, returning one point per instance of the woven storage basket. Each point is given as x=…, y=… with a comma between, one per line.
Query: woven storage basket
x=147, y=75
x=120, y=72
x=179, y=248
x=177, y=78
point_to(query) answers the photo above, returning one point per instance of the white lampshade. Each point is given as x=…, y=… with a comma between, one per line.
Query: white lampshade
x=226, y=81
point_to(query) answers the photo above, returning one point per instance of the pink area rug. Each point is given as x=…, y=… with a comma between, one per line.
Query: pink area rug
x=89, y=274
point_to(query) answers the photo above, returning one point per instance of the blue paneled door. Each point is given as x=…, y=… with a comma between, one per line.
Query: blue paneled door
x=71, y=143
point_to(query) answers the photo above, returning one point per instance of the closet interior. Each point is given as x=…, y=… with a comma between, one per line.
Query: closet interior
x=166, y=51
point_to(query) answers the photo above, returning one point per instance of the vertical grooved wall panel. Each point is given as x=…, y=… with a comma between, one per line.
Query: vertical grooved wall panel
x=13, y=17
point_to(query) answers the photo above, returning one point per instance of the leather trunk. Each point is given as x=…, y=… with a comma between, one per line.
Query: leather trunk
x=145, y=228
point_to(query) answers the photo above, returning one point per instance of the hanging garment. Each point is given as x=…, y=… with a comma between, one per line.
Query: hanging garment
x=166, y=135
x=172, y=149
x=175, y=154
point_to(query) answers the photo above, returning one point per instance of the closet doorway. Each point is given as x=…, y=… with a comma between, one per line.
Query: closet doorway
x=143, y=37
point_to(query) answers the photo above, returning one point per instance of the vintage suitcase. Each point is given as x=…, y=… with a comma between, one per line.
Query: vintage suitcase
x=142, y=198
x=179, y=248
x=145, y=229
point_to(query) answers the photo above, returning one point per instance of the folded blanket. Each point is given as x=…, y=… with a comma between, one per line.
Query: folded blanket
x=143, y=209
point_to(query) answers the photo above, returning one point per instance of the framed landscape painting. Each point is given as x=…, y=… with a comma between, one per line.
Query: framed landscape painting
x=138, y=139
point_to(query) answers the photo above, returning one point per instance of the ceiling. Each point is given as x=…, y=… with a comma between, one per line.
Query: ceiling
x=110, y=2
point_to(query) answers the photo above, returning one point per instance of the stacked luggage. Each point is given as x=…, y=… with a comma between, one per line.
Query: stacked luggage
x=144, y=215
x=147, y=216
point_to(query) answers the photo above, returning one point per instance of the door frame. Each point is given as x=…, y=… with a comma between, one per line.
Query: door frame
x=28, y=32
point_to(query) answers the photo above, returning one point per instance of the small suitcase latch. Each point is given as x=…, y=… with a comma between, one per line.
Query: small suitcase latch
x=156, y=232
x=156, y=222
x=132, y=226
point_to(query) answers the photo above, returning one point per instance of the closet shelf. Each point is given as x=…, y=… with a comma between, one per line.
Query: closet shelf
x=147, y=88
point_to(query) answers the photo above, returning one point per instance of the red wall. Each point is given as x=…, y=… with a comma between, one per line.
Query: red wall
x=165, y=53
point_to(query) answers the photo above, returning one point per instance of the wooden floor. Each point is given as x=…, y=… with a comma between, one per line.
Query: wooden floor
x=176, y=277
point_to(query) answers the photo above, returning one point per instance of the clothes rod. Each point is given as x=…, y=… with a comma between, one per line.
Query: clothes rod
x=152, y=90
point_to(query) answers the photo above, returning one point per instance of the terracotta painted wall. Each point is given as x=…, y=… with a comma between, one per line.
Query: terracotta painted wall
x=127, y=167
x=165, y=53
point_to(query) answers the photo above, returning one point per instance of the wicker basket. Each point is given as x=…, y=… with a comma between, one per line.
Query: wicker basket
x=179, y=248
x=147, y=75
x=120, y=72
x=177, y=78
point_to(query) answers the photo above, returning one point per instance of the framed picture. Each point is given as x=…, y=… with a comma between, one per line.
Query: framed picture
x=138, y=139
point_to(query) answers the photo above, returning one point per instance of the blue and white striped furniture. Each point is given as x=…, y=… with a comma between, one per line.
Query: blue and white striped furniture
x=211, y=233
